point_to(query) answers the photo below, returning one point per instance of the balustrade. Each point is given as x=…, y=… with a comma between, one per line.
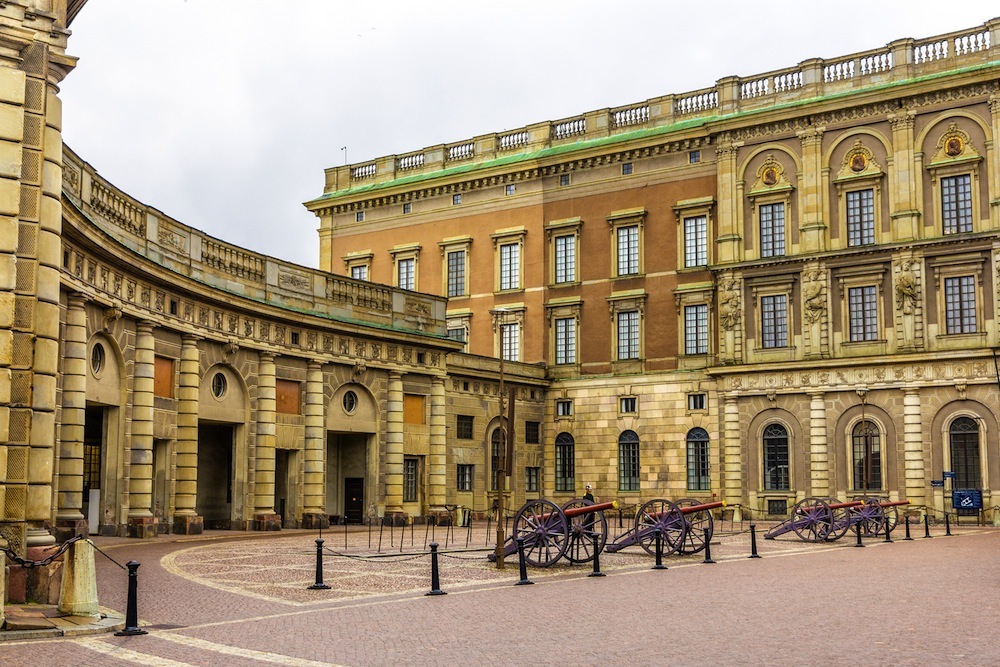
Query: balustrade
x=569, y=128
x=407, y=162
x=631, y=116
x=462, y=151
x=697, y=102
x=514, y=140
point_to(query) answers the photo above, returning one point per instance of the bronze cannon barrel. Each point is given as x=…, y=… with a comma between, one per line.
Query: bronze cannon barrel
x=691, y=509
x=590, y=509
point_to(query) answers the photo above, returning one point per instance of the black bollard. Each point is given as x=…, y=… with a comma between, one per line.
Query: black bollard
x=753, y=542
x=708, y=548
x=659, y=550
x=319, y=585
x=907, y=517
x=132, y=612
x=927, y=526
x=888, y=538
x=522, y=565
x=435, y=583
x=947, y=525
x=597, y=557
x=857, y=530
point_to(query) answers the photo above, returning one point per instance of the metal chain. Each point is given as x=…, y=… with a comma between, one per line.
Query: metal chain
x=100, y=551
x=45, y=561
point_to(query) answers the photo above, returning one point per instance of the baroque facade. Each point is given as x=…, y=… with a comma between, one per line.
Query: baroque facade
x=779, y=286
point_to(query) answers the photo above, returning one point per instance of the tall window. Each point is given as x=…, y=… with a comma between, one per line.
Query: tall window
x=406, y=273
x=456, y=273
x=964, y=445
x=566, y=340
x=359, y=272
x=628, y=461
x=565, y=249
x=463, y=478
x=960, y=304
x=696, y=241
x=410, y=480
x=774, y=320
x=628, y=334
x=863, y=311
x=696, y=329
x=628, y=250
x=867, y=457
x=531, y=476
x=772, y=230
x=697, y=460
x=956, y=204
x=510, y=266
x=776, y=458
x=509, y=341
x=565, y=466
x=860, y=217
x=496, y=442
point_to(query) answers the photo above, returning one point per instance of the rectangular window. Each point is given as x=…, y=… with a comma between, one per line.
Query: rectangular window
x=410, y=480
x=956, y=204
x=463, y=477
x=360, y=272
x=696, y=329
x=413, y=409
x=628, y=466
x=532, y=433
x=696, y=241
x=509, y=190
x=565, y=467
x=359, y=216
x=531, y=476
x=696, y=401
x=697, y=466
x=860, y=218
x=463, y=427
x=565, y=248
x=456, y=273
x=509, y=343
x=626, y=169
x=406, y=273
x=510, y=266
x=407, y=208
x=774, y=321
x=564, y=408
x=456, y=199
x=287, y=395
x=628, y=334
x=627, y=405
x=457, y=333
x=566, y=340
x=863, y=309
x=960, y=304
x=694, y=157
x=772, y=230
x=628, y=250
x=163, y=377
x=563, y=179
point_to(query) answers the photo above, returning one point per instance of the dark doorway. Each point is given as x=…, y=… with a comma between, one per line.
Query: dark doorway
x=215, y=475
x=281, y=457
x=93, y=454
x=354, y=500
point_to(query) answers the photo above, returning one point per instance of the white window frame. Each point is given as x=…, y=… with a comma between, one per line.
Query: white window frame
x=402, y=254
x=563, y=229
x=508, y=239
x=360, y=259
x=621, y=220
x=964, y=159
x=701, y=333
x=455, y=244
x=971, y=265
x=694, y=209
x=460, y=319
x=508, y=329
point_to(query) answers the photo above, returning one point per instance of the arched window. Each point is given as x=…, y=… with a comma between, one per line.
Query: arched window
x=628, y=461
x=776, y=458
x=964, y=442
x=697, y=460
x=565, y=468
x=867, y=449
x=496, y=441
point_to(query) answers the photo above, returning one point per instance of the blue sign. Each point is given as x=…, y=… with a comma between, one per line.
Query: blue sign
x=949, y=475
x=937, y=482
x=967, y=499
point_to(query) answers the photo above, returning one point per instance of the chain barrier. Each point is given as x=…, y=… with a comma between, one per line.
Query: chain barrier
x=23, y=562
x=100, y=551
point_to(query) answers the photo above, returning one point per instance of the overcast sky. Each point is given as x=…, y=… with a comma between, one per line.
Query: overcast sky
x=224, y=113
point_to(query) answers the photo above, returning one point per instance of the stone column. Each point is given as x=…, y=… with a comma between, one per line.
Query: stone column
x=265, y=517
x=904, y=188
x=186, y=518
x=69, y=511
x=729, y=243
x=991, y=159
x=438, y=460
x=914, y=487
x=314, y=514
x=732, y=455
x=812, y=227
x=141, y=522
x=394, y=449
x=819, y=455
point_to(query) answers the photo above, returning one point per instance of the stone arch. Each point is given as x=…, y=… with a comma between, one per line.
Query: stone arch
x=797, y=475
x=988, y=433
x=843, y=455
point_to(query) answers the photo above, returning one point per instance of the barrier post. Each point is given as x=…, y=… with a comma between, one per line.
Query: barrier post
x=857, y=531
x=888, y=538
x=435, y=582
x=947, y=525
x=319, y=585
x=708, y=548
x=907, y=517
x=927, y=525
x=522, y=566
x=597, y=557
x=132, y=612
x=659, y=550
x=753, y=541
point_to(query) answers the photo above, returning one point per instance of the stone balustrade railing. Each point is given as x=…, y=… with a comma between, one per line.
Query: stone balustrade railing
x=898, y=61
x=192, y=253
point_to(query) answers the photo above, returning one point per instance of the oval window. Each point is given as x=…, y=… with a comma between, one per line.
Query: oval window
x=350, y=402
x=97, y=358
x=219, y=385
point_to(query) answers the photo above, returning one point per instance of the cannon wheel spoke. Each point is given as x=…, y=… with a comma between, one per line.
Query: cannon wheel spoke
x=543, y=526
x=841, y=521
x=697, y=524
x=872, y=517
x=812, y=519
x=666, y=516
x=580, y=547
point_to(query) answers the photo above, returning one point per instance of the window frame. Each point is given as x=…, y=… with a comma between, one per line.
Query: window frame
x=771, y=342
x=465, y=474
x=784, y=481
x=507, y=278
x=450, y=246
x=868, y=317
x=700, y=337
x=621, y=220
x=971, y=266
x=629, y=462
x=359, y=260
x=401, y=255
x=857, y=438
x=562, y=229
x=565, y=463
x=699, y=465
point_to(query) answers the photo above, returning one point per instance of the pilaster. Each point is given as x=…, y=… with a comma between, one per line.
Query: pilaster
x=186, y=520
x=394, y=448
x=141, y=522
x=69, y=510
x=819, y=455
x=729, y=246
x=914, y=469
x=904, y=190
x=438, y=459
x=993, y=162
x=732, y=454
x=812, y=227
x=314, y=483
x=264, y=515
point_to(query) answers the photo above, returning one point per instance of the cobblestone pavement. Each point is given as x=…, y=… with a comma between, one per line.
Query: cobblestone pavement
x=243, y=599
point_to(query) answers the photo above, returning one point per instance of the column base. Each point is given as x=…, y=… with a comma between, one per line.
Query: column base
x=266, y=522
x=143, y=527
x=188, y=524
x=68, y=528
x=395, y=518
x=315, y=521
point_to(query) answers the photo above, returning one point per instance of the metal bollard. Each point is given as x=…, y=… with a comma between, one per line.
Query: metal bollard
x=857, y=530
x=132, y=612
x=947, y=525
x=659, y=550
x=907, y=517
x=597, y=558
x=888, y=530
x=521, y=564
x=708, y=548
x=319, y=585
x=753, y=542
x=927, y=526
x=435, y=582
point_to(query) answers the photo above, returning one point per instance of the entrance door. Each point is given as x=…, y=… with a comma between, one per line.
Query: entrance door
x=93, y=448
x=281, y=457
x=354, y=500
x=215, y=475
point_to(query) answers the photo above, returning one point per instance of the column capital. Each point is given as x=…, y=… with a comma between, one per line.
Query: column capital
x=145, y=326
x=76, y=299
x=191, y=339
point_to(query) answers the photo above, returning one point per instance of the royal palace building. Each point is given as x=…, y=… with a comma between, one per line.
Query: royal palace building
x=778, y=286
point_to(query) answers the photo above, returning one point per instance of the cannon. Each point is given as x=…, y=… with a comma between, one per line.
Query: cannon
x=551, y=532
x=684, y=527
x=826, y=519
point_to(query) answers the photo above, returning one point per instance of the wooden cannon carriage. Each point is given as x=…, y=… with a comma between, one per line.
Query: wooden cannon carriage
x=827, y=519
x=551, y=532
x=684, y=526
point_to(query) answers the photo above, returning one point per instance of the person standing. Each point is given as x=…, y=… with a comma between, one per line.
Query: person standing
x=588, y=493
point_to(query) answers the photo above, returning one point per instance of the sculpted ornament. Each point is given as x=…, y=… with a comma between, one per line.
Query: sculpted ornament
x=813, y=296
x=907, y=291
x=730, y=304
